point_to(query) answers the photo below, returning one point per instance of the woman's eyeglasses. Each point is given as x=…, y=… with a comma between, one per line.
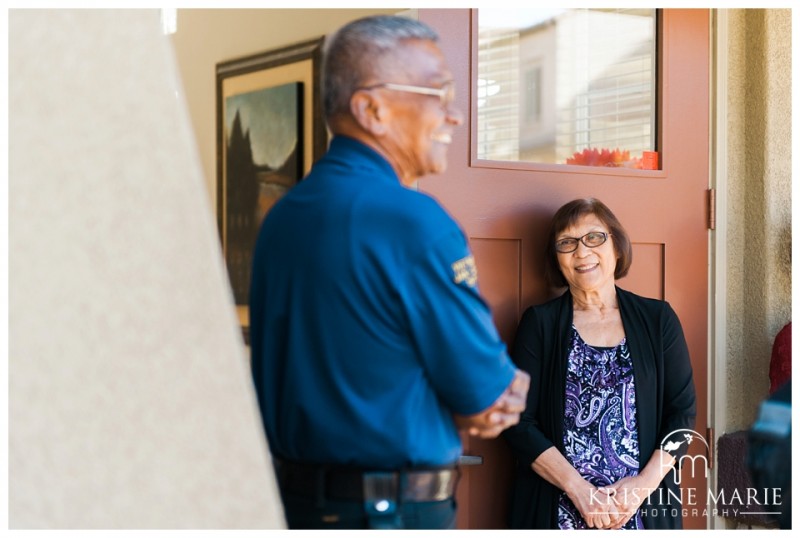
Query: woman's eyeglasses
x=565, y=245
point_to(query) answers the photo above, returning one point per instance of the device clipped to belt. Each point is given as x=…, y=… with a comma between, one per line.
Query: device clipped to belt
x=381, y=498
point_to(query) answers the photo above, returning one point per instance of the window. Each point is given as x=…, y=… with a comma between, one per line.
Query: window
x=567, y=86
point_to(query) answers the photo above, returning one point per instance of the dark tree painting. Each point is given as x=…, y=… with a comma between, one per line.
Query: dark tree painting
x=264, y=159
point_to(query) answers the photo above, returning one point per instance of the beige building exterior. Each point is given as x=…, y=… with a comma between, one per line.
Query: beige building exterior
x=753, y=168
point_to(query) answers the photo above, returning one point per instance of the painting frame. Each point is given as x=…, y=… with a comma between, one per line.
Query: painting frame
x=293, y=70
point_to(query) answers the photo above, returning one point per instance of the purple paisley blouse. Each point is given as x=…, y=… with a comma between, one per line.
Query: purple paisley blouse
x=600, y=429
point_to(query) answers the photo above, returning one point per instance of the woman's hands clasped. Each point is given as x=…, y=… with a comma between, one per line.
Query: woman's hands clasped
x=598, y=506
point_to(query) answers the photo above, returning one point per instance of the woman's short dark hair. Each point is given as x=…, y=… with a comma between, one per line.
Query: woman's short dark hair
x=567, y=216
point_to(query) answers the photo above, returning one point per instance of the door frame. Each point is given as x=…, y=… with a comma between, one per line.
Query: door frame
x=718, y=251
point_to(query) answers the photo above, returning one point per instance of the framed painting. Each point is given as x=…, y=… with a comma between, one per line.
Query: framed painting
x=269, y=132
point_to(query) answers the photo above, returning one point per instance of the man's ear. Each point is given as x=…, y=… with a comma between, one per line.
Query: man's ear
x=369, y=112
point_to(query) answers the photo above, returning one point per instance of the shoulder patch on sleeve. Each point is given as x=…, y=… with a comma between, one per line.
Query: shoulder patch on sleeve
x=464, y=270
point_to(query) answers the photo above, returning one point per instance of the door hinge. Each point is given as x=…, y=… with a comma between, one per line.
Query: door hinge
x=711, y=448
x=712, y=209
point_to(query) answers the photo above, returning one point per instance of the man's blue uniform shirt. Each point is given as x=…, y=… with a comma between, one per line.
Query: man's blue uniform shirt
x=367, y=330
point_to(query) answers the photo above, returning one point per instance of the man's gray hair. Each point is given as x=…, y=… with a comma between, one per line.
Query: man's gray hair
x=357, y=52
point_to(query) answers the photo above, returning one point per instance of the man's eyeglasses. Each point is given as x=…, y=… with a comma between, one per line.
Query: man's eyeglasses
x=565, y=245
x=446, y=93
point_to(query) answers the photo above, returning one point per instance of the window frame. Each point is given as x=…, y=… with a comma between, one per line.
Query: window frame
x=476, y=162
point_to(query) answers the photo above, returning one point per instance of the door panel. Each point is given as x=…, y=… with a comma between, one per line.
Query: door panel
x=646, y=275
x=505, y=208
x=498, y=260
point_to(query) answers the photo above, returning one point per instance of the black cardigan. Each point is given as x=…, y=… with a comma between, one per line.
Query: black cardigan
x=665, y=399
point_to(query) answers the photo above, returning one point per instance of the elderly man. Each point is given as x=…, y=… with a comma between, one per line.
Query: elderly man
x=371, y=346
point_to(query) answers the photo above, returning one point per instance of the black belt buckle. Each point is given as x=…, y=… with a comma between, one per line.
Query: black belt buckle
x=380, y=493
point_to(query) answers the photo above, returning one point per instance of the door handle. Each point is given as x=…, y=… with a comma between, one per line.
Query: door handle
x=470, y=460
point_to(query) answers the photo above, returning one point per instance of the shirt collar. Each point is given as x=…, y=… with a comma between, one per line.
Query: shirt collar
x=363, y=156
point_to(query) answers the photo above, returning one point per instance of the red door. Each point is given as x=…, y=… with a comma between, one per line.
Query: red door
x=504, y=208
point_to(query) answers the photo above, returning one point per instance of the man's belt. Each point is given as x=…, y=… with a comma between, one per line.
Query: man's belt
x=345, y=483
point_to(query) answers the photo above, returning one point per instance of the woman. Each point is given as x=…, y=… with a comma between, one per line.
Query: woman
x=610, y=380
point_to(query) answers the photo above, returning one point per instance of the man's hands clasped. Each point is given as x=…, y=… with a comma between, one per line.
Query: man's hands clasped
x=503, y=413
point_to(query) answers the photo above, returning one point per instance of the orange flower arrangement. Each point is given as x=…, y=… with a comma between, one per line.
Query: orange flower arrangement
x=604, y=157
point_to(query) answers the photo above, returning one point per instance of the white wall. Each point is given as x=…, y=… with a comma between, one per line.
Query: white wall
x=130, y=400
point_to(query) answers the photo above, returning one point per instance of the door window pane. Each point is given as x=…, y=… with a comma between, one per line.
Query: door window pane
x=567, y=86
